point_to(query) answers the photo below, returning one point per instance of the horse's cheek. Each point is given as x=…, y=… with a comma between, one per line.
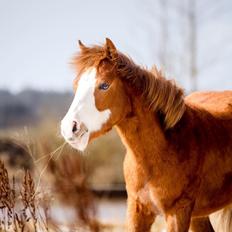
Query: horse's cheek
x=100, y=101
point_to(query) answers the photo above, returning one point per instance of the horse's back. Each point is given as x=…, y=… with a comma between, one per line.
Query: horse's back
x=217, y=103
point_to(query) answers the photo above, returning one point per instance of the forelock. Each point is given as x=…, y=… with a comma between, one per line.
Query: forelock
x=88, y=58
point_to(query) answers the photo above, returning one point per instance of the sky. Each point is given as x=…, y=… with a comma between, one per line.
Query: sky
x=39, y=38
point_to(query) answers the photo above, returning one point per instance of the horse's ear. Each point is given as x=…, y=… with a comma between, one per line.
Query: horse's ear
x=81, y=45
x=111, y=51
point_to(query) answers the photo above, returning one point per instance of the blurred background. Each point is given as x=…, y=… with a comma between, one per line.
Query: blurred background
x=190, y=40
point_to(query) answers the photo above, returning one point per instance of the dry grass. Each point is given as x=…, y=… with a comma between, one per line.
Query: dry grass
x=68, y=175
x=29, y=206
x=61, y=172
x=103, y=158
x=70, y=182
x=22, y=209
x=19, y=209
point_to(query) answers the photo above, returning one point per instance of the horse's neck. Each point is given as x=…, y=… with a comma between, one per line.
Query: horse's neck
x=142, y=135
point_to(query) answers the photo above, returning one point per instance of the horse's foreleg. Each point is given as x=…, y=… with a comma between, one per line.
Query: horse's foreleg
x=179, y=219
x=139, y=216
x=201, y=225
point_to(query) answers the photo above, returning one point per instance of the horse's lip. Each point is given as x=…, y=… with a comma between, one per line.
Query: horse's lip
x=81, y=132
x=79, y=136
x=78, y=142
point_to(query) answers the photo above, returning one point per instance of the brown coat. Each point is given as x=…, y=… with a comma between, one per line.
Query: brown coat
x=179, y=150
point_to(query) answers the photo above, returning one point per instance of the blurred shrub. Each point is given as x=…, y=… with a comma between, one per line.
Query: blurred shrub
x=103, y=157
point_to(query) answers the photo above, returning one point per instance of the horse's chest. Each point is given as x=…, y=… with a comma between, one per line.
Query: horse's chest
x=145, y=196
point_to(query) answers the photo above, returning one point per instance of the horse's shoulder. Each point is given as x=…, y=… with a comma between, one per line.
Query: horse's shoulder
x=212, y=101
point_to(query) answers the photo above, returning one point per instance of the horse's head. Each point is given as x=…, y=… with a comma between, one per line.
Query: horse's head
x=100, y=99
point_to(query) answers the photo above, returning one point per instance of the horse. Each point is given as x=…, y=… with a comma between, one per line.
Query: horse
x=179, y=149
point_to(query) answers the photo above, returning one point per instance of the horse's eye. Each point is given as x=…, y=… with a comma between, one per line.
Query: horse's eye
x=103, y=86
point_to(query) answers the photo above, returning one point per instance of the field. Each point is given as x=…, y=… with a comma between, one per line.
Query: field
x=59, y=181
x=47, y=186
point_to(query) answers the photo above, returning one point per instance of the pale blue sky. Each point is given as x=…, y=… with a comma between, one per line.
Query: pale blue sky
x=38, y=38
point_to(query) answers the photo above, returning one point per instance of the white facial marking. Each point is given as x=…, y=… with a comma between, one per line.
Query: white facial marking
x=83, y=110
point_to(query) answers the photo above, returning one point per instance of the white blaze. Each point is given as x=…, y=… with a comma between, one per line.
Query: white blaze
x=83, y=110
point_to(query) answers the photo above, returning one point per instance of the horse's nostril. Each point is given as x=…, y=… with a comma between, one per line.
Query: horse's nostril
x=74, y=128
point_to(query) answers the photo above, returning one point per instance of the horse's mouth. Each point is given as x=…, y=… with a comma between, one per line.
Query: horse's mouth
x=75, y=133
x=80, y=142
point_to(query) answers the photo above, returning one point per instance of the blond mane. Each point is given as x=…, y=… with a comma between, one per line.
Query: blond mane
x=159, y=94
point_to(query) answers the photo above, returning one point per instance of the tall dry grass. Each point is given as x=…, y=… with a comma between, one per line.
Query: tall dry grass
x=62, y=171
x=19, y=209
x=70, y=182
x=22, y=208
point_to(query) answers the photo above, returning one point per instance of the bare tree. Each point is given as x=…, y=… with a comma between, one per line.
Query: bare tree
x=193, y=18
x=198, y=15
x=163, y=45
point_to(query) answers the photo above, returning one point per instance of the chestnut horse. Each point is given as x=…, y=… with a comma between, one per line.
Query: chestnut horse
x=179, y=150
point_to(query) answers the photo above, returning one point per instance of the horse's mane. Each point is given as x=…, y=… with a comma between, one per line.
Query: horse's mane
x=159, y=94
